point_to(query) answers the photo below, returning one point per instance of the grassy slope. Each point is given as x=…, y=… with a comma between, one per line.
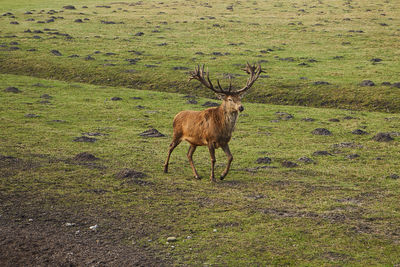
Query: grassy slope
x=327, y=32
x=337, y=211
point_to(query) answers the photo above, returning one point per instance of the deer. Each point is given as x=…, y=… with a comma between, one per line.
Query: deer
x=212, y=127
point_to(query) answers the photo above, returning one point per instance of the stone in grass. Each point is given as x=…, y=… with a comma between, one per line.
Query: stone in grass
x=359, y=132
x=172, y=239
x=394, y=176
x=129, y=173
x=85, y=156
x=321, y=131
x=289, y=164
x=12, y=89
x=152, y=133
x=116, y=98
x=264, y=160
x=383, y=137
x=85, y=139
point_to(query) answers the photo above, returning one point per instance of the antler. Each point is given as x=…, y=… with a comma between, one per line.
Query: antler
x=254, y=74
x=203, y=76
x=198, y=74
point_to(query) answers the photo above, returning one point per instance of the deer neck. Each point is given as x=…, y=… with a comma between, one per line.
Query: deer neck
x=229, y=118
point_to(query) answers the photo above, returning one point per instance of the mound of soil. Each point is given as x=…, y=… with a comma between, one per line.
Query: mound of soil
x=322, y=153
x=264, y=160
x=71, y=7
x=85, y=156
x=85, y=139
x=383, y=137
x=321, y=131
x=12, y=90
x=192, y=101
x=367, y=83
x=56, y=53
x=359, y=132
x=46, y=96
x=352, y=156
x=284, y=116
x=210, y=104
x=152, y=133
x=306, y=160
x=289, y=164
x=30, y=115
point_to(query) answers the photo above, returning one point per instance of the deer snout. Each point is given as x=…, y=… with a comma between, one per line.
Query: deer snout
x=241, y=108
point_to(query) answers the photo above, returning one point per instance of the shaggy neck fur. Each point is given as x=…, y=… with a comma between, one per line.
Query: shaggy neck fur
x=230, y=119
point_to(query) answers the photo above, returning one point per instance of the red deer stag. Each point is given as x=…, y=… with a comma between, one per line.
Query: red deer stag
x=212, y=127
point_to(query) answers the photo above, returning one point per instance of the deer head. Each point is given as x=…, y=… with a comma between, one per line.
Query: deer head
x=231, y=99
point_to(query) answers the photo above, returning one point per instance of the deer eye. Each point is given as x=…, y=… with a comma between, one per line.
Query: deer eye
x=230, y=99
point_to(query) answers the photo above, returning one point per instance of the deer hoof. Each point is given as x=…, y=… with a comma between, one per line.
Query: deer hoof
x=165, y=169
x=197, y=177
x=222, y=177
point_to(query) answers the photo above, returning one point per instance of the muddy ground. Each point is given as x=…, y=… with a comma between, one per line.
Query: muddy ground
x=31, y=235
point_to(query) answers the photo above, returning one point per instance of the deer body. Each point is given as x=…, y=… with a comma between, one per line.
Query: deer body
x=212, y=127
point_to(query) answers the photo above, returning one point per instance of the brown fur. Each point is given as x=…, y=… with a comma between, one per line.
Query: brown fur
x=212, y=127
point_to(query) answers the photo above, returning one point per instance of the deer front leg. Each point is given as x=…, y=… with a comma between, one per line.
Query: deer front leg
x=172, y=146
x=230, y=158
x=191, y=150
x=211, y=148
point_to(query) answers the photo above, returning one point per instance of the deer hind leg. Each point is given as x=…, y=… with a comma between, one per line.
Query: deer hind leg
x=191, y=150
x=175, y=142
x=211, y=148
x=228, y=165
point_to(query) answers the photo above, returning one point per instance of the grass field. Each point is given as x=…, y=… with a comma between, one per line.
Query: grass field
x=152, y=44
x=322, y=200
x=340, y=209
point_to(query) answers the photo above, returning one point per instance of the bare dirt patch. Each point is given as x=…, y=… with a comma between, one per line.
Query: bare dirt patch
x=34, y=236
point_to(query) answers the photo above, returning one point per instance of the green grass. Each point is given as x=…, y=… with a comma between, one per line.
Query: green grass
x=342, y=37
x=337, y=211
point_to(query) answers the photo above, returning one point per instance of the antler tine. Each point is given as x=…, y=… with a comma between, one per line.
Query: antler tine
x=198, y=74
x=254, y=74
x=230, y=83
x=219, y=87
